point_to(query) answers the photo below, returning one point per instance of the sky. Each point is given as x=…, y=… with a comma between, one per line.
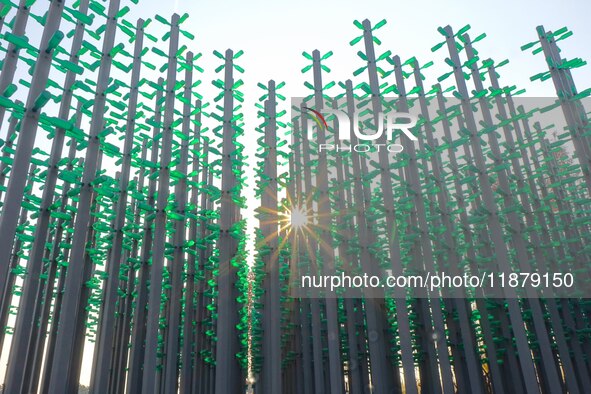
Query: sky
x=273, y=35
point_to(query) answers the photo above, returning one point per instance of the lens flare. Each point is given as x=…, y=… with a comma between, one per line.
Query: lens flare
x=298, y=218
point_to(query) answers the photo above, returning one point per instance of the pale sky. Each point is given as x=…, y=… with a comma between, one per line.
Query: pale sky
x=274, y=33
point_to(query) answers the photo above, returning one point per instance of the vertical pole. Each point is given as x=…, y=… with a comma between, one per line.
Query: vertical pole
x=124, y=321
x=538, y=197
x=200, y=371
x=353, y=369
x=549, y=363
x=42, y=312
x=25, y=328
x=576, y=120
x=189, y=353
x=14, y=263
x=375, y=313
x=502, y=255
x=12, y=51
x=308, y=373
x=315, y=307
x=134, y=378
x=72, y=376
x=493, y=365
x=443, y=369
x=66, y=333
x=20, y=165
x=327, y=254
x=461, y=307
x=6, y=300
x=171, y=369
x=61, y=262
x=271, y=370
x=149, y=379
x=8, y=146
x=517, y=235
x=227, y=373
x=388, y=199
x=104, y=345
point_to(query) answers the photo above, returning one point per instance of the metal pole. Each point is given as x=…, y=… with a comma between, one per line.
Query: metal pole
x=388, y=199
x=75, y=273
x=426, y=253
x=25, y=332
x=227, y=373
x=12, y=51
x=149, y=378
x=271, y=370
x=502, y=256
x=139, y=317
x=577, y=121
x=189, y=353
x=517, y=235
x=461, y=307
x=57, y=304
x=20, y=165
x=315, y=303
x=326, y=253
x=8, y=146
x=14, y=263
x=171, y=368
x=548, y=361
x=104, y=345
x=42, y=313
x=494, y=371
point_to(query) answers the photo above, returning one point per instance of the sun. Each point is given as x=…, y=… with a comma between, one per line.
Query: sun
x=298, y=218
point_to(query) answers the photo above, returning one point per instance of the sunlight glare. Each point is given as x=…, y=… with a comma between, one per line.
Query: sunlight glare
x=298, y=218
